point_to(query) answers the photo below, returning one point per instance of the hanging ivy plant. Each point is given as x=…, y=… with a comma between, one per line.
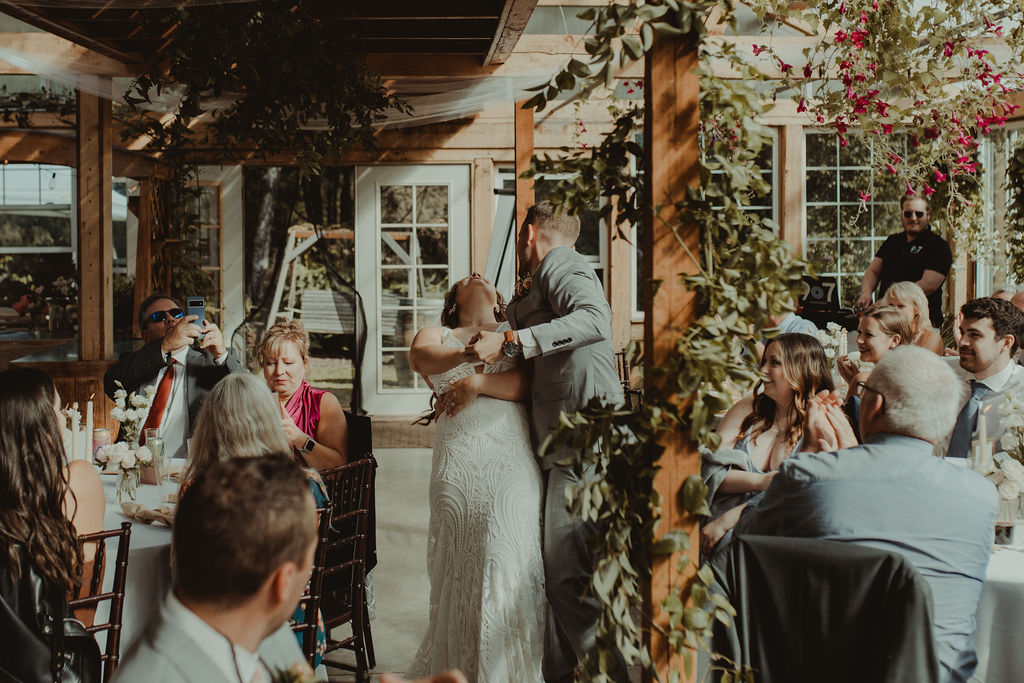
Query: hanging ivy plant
x=18, y=106
x=265, y=77
x=271, y=76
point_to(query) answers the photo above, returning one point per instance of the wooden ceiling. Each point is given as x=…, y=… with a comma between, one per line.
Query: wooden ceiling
x=488, y=29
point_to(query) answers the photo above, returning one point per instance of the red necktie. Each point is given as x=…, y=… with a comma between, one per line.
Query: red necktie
x=156, y=410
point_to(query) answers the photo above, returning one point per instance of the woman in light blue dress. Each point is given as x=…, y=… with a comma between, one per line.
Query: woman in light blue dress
x=762, y=429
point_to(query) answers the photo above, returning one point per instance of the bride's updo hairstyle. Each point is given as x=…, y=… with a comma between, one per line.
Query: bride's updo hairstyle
x=450, y=312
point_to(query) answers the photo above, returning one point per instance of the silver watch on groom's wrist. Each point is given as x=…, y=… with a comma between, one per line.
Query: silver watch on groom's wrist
x=512, y=347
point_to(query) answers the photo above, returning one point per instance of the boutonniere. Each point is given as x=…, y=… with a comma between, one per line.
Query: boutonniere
x=299, y=672
x=523, y=285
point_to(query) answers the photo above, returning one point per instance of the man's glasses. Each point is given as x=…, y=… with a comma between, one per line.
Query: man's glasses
x=908, y=214
x=860, y=387
x=160, y=316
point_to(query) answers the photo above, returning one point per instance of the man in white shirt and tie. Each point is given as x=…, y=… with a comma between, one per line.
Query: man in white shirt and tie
x=991, y=332
x=181, y=375
x=242, y=551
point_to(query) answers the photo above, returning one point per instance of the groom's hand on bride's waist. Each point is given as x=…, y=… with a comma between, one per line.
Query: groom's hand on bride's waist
x=485, y=346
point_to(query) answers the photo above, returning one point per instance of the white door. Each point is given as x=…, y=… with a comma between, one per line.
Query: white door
x=412, y=243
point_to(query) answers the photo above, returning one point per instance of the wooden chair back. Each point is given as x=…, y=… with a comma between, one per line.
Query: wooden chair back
x=90, y=595
x=343, y=599
x=314, y=587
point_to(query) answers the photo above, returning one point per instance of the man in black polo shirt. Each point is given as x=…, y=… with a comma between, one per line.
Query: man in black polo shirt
x=916, y=255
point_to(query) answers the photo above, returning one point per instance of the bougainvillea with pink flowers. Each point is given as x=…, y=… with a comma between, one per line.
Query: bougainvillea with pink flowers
x=922, y=84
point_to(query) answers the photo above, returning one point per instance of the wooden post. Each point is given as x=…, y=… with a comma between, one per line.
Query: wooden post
x=671, y=154
x=524, y=154
x=791, y=190
x=483, y=213
x=95, y=233
x=144, y=249
x=618, y=282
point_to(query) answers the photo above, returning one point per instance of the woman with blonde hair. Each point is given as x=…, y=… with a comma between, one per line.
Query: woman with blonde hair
x=313, y=420
x=239, y=419
x=911, y=301
x=881, y=329
x=762, y=429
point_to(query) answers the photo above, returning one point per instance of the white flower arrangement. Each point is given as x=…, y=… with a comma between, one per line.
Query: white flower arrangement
x=121, y=459
x=131, y=410
x=1012, y=423
x=832, y=340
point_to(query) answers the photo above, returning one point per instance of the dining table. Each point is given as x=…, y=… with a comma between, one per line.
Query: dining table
x=999, y=636
x=149, y=558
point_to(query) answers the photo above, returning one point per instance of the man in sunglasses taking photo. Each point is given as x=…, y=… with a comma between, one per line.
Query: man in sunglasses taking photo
x=916, y=255
x=181, y=375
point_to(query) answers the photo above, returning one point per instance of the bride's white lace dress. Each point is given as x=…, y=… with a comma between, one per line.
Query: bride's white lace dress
x=487, y=603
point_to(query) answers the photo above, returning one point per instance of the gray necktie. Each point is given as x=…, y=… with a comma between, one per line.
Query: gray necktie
x=960, y=443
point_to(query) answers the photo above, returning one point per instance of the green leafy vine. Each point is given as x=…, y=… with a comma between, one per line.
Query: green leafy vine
x=745, y=275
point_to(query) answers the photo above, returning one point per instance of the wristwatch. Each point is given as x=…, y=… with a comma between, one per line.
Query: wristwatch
x=512, y=348
x=308, y=448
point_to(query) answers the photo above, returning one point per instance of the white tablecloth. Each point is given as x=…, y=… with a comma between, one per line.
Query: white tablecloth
x=999, y=639
x=149, y=561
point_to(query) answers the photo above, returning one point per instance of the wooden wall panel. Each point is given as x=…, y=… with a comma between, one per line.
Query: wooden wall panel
x=524, y=154
x=791, y=187
x=483, y=213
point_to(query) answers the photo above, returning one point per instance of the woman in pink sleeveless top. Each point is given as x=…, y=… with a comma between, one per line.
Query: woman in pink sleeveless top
x=312, y=418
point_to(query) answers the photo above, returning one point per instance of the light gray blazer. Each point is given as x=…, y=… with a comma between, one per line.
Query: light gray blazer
x=567, y=313
x=164, y=653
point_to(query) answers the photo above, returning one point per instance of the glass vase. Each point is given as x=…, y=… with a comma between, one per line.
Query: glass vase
x=127, y=482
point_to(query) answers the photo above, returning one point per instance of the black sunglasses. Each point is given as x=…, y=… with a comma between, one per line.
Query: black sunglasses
x=160, y=316
x=908, y=214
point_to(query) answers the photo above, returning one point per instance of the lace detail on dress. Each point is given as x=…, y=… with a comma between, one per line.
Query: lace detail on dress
x=442, y=382
x=487, y=602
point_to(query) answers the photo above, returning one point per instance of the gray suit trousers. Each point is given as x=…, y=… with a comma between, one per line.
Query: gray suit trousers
x=568, y=566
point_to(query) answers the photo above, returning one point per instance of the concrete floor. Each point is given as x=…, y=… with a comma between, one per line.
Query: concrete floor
x=400, y=583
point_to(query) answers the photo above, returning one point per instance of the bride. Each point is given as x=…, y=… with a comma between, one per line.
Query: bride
x=487, y=601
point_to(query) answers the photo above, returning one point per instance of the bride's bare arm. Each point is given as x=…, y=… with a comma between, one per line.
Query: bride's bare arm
x=428, y=356
x=511, y=385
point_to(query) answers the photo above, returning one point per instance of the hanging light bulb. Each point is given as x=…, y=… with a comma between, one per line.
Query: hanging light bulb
x=53, y=181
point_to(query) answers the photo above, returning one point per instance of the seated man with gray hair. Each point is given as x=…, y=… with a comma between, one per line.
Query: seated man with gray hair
x=893, y=494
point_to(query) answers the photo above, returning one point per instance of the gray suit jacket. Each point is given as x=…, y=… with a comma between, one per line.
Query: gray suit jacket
x=567, y=313
x=164, y=653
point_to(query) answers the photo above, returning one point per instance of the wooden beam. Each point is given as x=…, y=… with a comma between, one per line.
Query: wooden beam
x=514, y=17
x=532, y=53
x=36, y=17
x=524, y=155
x=37, y=147
x=95, y=233
x=483, y=212
x=790, y=194
x=52, y=49
x=144, y=249
x=671, y=154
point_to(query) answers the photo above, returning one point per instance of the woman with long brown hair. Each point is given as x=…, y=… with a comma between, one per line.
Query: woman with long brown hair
x=44, y=506
x=763, y=429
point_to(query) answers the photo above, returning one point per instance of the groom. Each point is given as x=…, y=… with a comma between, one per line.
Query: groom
x=562, y=325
